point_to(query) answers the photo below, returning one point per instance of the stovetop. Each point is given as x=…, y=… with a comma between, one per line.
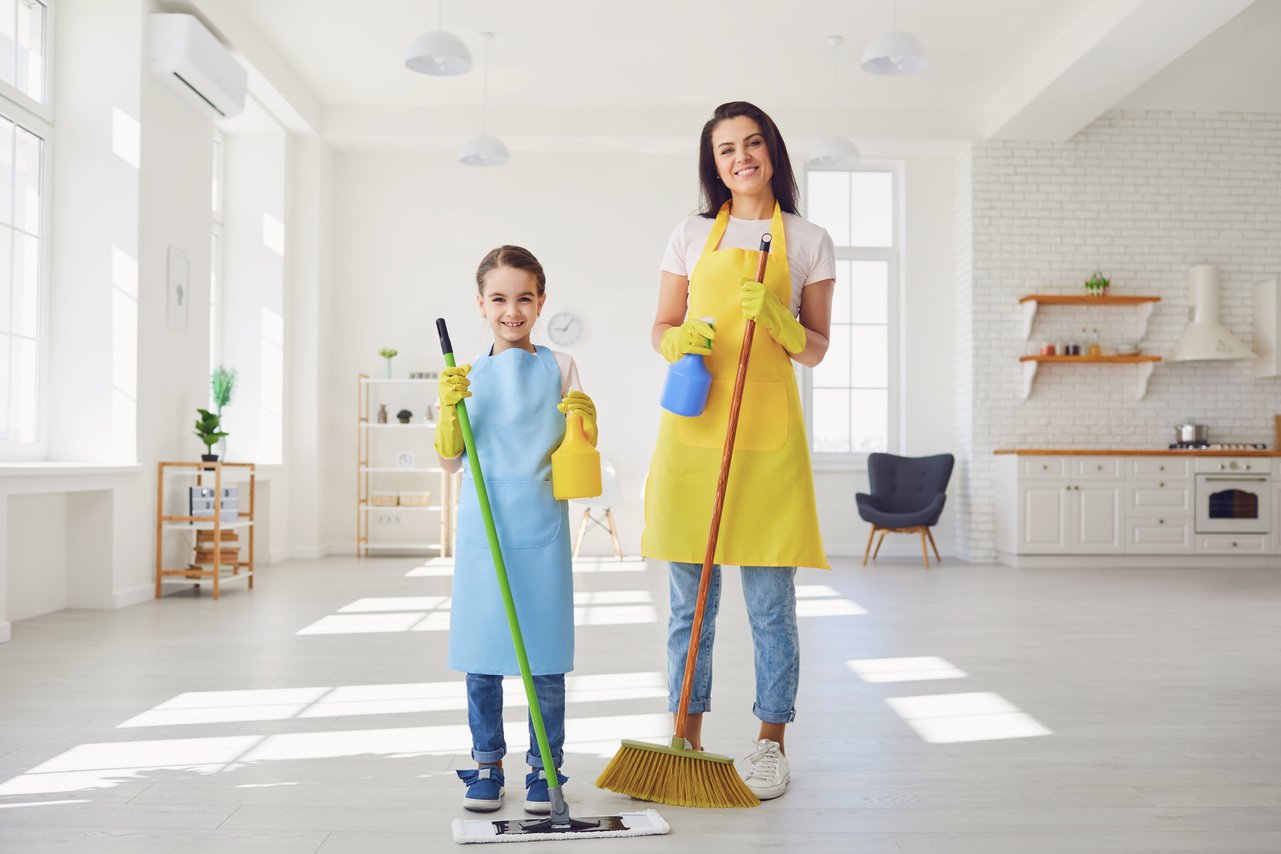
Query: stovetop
x=1218, y=446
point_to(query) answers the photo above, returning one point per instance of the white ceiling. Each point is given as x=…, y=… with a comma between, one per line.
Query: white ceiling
x=647, y=72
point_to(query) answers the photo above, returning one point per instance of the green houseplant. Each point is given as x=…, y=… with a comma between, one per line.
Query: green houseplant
x=388, y=353
x=222, y=384
x=1097, y=284
x=207, y=431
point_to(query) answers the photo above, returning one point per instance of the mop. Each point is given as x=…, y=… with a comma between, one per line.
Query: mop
x=676, y=774
x=559, y=824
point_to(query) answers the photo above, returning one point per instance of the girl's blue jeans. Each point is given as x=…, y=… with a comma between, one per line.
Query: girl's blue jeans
x=485, y=717
x=770, y=592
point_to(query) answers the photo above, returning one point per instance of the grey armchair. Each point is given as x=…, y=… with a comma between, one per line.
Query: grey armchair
x=907, y=497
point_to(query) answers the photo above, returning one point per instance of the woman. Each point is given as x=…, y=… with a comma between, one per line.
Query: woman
x=770, y=524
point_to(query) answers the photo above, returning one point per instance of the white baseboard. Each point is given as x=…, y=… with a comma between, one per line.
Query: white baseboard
x=4, y=632
x=312, y=553
x=133, y=595
x=1136, y=561
x=277, y=556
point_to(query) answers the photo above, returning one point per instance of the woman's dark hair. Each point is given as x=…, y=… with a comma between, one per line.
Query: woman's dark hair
x=716, y=193
x=517, y=257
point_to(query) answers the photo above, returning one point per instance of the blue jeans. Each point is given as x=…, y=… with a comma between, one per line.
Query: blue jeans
x=770, y=593
x=485, y=717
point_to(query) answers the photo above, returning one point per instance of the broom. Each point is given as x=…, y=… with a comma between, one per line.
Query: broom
x=675, y=774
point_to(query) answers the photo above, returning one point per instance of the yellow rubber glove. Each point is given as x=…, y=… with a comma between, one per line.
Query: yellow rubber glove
x=760, y=304
x=578, y=403
x=692, y=336
x=453, y=387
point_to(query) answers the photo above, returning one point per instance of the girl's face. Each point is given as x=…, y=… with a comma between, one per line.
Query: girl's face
x=510, y=304
x=742, y=158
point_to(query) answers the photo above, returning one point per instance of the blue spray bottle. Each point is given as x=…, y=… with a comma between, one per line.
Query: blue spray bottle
x=688, y=383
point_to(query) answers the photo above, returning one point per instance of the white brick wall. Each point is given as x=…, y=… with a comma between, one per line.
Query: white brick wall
x=1141, y=196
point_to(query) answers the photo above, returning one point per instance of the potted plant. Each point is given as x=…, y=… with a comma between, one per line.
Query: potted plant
x=388, y=353
x=1097, y=284
x=207, y=431
x=222, y=385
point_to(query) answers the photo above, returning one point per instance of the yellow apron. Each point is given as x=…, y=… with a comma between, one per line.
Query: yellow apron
x=770, y=517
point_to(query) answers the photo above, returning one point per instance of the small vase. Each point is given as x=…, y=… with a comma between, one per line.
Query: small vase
x=387, y=372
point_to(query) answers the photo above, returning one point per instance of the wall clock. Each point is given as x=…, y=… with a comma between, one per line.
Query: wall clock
x=564, y=328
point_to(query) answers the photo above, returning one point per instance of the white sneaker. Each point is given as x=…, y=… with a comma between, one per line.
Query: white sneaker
x=768, y=772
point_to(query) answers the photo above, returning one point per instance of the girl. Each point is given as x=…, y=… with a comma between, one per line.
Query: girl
x=517, y=391
x=770, y=523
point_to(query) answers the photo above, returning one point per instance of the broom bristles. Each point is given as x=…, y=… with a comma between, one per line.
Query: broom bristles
x=675, y=779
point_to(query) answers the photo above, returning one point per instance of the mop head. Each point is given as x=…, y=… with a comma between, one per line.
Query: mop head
x=676, y=776
x=647, y=823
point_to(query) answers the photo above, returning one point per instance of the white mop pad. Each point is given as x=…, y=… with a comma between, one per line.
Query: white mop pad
x=647, y=823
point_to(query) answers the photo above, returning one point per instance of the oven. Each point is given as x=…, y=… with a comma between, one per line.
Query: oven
x=1233, y=502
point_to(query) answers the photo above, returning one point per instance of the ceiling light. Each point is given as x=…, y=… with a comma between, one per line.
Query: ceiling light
x=483, y=149
x=895, y=52
x=438, y=53
x=835, y=153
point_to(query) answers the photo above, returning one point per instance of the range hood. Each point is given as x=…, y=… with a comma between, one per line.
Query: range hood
x=1205, y=337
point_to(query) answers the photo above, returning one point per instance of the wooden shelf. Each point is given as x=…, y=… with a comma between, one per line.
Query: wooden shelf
x=1082, y=299
x=218, y=572
x=1125, y=360
x=1145, y=362
x=369, y=433
x=1032, y=302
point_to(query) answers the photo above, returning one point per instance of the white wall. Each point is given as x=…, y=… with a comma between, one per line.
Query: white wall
x=1141, y=196
x=409, y=229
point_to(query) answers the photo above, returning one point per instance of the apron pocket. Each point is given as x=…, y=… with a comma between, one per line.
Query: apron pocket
x=525, y=513
x=762, y=419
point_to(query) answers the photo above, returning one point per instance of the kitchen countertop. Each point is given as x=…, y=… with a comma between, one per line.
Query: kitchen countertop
x=1129, y=452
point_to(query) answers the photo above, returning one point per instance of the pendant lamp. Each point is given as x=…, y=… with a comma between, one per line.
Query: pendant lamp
x=438, y=53
x=895, y=52
x=834, y=153
x=484, y=149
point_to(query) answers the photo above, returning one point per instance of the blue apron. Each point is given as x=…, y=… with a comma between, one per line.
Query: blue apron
x=517, y=426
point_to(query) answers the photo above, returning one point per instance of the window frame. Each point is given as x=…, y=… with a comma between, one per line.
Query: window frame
x=36, y=124
x=42, y=110
x=893, y=257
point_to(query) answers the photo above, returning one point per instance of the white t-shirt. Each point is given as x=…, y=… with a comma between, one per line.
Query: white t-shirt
x=811, y=257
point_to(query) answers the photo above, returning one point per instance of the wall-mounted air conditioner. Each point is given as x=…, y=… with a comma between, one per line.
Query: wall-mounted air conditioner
x=194, y=63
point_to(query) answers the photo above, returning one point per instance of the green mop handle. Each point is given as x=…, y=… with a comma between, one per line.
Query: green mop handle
x=513, y=622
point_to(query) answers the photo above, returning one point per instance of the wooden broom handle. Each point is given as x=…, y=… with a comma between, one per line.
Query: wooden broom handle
x=722, y=480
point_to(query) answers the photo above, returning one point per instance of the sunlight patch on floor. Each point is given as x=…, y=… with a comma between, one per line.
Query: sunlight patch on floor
x=917, y=669
x=952, y=718
x=269, y=704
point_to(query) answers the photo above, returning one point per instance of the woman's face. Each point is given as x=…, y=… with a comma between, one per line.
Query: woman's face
x=742, y=158
x=510, y=304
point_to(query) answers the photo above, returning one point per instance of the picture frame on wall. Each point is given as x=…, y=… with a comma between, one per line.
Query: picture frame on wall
x=179, y=289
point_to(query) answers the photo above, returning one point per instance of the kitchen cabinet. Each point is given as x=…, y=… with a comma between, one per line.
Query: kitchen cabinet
x=1081, y=514
x=1065, y=503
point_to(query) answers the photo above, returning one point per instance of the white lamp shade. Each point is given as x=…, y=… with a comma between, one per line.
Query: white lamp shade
x=484, y=150
x=895, y=52
x=834, y=153
x=439, y=53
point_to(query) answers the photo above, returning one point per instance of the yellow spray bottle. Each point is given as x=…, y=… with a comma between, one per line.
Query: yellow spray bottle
x=575, y=464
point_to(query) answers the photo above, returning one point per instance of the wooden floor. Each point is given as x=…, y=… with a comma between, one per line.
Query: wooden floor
x=967, y=708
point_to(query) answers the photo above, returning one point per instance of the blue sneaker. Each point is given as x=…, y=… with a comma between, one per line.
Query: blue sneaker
x=484, y=788
x=537, y=800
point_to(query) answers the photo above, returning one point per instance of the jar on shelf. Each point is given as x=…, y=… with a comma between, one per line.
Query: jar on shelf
x=382, y=413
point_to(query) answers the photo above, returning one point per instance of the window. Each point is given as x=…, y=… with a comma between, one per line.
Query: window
x=24, y=179
x=850, y=399
x=215, y=257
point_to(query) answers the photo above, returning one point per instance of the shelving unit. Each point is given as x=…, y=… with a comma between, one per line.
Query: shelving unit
x=367, y=430
x=1145, y=305
x=1032, y=302
x=221, y=474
